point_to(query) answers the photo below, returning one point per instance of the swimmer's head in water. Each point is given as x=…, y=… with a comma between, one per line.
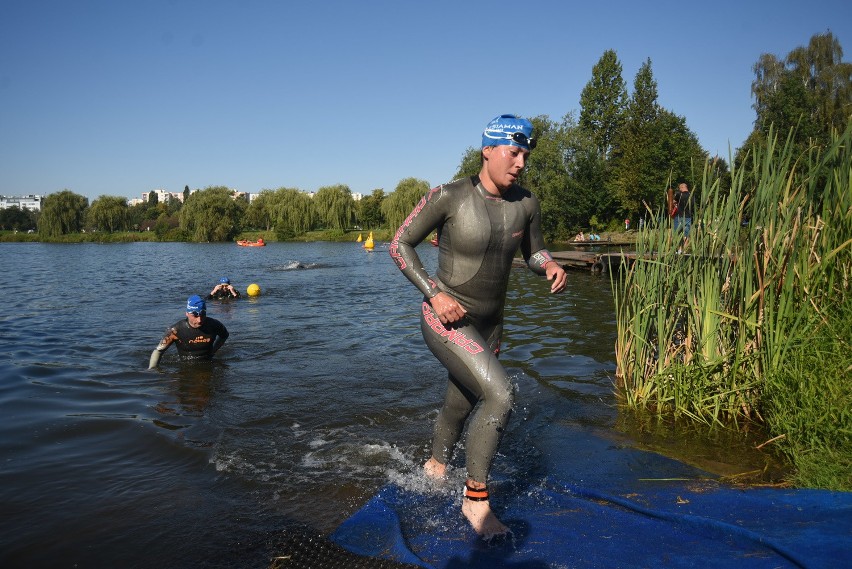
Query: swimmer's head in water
x=224, y=280
x=509, y=129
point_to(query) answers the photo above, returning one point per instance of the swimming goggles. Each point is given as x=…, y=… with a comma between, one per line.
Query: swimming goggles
x=520, y=138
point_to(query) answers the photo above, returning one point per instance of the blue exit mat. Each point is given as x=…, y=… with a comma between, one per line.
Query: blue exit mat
x=598, y=505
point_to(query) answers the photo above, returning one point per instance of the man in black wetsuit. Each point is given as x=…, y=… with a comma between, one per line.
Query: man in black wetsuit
x=481, y=222
x=196, y=336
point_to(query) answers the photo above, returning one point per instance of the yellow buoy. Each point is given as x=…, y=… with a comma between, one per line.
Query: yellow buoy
x=253, y=290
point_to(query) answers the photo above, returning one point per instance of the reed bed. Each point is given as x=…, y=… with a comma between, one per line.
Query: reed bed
x=748, y=321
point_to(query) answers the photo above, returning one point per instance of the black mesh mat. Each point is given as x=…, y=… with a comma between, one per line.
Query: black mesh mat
x=304, y=548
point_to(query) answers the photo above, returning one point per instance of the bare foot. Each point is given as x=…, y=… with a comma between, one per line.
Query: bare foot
x=483, y=520
x=434, y=469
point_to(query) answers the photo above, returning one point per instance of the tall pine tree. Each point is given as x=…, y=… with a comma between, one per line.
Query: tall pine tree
x=603, y=102
x=655, y=149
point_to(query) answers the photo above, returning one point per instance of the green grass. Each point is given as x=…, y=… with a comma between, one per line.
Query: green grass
x=92, y=237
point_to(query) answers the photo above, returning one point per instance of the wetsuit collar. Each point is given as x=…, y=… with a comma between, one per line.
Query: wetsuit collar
x=483, y=191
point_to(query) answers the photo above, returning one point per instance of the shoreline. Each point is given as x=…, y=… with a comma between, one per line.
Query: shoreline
x=608, y=239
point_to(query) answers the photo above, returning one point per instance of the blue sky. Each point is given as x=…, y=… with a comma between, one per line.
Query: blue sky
x=120, y=98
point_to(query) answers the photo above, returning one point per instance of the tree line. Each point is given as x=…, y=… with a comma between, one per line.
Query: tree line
x=614, y=159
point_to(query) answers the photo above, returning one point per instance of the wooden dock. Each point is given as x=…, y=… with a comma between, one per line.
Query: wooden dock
x=596, y=262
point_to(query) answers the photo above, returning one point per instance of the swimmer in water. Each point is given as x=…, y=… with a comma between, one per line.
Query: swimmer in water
x=196, y=336
x=481, y=222
x=223, y=289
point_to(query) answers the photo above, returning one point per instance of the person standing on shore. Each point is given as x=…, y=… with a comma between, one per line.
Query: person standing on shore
x=683, y=210
x=481, y=222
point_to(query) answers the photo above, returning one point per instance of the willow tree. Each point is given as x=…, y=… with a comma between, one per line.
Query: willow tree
x=212, y=214
x=402, y=200
x=260, y=213
x=61, y=213
x=293, y=211
x=109, y=213
x=335, y=206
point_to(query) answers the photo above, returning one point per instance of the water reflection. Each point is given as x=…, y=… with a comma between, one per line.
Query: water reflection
x=189, y=388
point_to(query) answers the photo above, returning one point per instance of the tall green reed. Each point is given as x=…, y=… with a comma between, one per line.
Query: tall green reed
x=714, y=327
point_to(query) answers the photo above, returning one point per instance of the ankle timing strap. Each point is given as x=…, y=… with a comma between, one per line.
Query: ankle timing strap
x=475, y=494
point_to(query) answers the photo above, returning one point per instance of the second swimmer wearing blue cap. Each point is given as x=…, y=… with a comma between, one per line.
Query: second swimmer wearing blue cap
x=481, y=223
x=223, y=289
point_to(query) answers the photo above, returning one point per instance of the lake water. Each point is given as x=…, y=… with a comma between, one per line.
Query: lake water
x=324, y=393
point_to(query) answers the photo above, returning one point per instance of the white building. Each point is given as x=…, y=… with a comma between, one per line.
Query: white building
x=30, y=202
x=163, y=196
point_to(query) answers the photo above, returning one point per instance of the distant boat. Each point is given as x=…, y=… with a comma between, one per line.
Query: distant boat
x=368, y=244
x=360, y=238
x=247, y=243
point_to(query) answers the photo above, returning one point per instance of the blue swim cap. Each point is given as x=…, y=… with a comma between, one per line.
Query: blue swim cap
x=195, y=304
x=508, y=129
x=225, y=280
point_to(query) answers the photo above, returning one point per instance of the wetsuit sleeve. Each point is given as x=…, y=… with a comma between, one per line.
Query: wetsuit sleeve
x=426, y=217
x=169, y=337
x=221, y=336
x=532, y=247
x=154, y=361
